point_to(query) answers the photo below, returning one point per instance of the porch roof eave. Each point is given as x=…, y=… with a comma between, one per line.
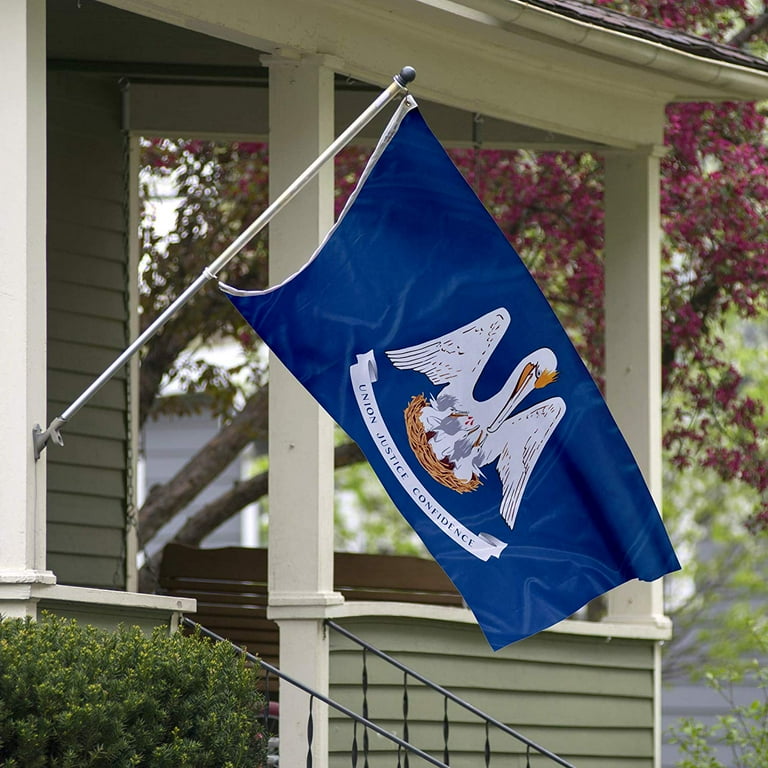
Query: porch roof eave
x=522, y=62
x=685, y=66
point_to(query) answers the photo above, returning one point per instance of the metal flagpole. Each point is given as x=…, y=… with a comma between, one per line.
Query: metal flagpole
x=398, y=87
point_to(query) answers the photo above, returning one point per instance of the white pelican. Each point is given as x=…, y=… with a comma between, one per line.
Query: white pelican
x=453, y=434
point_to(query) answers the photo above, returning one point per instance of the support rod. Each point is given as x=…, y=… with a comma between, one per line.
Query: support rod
x=399, y=86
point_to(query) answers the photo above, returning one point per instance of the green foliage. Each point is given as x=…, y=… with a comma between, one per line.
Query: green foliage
x=73, y=696
x=366, y=520
x=725, y=575
x=742, y=733
x=711, y=600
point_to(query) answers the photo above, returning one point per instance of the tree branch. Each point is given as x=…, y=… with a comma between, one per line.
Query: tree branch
x=212, y=515
x=165, y=500
x=160, y=355
x=749, y=31
x=702, y=302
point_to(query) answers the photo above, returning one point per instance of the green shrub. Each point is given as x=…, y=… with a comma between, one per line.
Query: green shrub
x=73, y=696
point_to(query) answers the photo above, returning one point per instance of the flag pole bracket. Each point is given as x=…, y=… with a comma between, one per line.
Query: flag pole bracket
x=41, y=437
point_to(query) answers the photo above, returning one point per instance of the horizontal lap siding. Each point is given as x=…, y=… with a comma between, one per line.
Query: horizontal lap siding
x=87, y=329
x=586, y=699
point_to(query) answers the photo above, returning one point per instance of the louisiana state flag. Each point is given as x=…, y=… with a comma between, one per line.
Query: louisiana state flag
x=420, y=331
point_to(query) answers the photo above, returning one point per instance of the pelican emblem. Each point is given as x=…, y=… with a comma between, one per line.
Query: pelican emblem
x=453, y=435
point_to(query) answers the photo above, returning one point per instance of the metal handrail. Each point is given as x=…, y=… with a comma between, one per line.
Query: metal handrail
x=315, y=694
x=449, y=695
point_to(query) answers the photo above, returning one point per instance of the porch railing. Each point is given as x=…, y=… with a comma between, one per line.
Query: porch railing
x=405, y=750
x=401, y=744
x=488, y=722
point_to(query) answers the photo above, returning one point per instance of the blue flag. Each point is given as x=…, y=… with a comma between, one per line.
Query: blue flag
x=420, y=331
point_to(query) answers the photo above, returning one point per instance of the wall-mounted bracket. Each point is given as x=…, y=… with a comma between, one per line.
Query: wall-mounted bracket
x=41, y=437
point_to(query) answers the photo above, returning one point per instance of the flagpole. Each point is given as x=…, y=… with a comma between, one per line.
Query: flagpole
x=399, y=86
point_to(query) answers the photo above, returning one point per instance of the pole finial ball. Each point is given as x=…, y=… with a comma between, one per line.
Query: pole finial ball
x=406, y=75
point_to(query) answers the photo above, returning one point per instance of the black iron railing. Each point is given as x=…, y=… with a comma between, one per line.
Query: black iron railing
x=405, y=750
x=489, y=722
x=403, y=747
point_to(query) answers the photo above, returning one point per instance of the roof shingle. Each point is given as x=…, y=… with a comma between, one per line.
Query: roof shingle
x=647, y=30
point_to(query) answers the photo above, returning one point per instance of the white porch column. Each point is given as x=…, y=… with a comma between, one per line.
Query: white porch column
x=22, y=302
x=633, y=357
x=300, y=433
x=633, y=338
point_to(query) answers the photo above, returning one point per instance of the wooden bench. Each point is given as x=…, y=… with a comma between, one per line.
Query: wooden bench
x=230, y=586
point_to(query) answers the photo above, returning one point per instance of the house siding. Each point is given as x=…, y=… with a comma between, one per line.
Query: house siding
x=587, y=699
x=87, y=328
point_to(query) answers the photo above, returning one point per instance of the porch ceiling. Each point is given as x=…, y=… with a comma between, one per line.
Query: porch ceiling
x=189, y=83
x=540, y=76
x=515, y=61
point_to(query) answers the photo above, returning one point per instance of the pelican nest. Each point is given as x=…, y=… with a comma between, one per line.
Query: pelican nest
x=419, y=441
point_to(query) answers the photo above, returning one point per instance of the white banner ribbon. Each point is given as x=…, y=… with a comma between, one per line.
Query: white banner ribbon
x=363, y=375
